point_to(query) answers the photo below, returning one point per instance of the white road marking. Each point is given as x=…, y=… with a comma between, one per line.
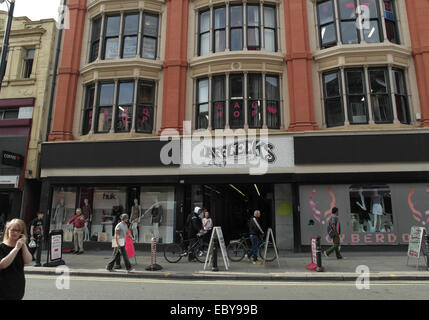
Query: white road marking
x=235, y=282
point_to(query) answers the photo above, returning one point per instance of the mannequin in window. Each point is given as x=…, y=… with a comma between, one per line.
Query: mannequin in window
x=59, y=216
x=116, y=213
x=86, y=211
x=376, y=210
x=363, y=214
x=136, y=212
x=156, y=214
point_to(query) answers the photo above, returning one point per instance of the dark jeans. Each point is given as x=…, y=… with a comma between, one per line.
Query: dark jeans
x=335, y=246
x=116, y=258
x=256, y=241
x=38, y=248
x=191, y=252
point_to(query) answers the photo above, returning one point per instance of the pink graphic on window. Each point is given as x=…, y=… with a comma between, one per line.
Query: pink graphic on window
x=219, y=112
x=387, y=6
x=418, y=215
x=316, y=213
x=125, y=117
x=146, y=115
x=90, y=118
x=236, y=113
x=106, y=116
x=254, y=108
x=272, y=110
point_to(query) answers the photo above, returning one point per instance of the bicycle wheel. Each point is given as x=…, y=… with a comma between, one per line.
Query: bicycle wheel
x=236, y=251
x=271, y=253
x=173, y=253
x=201, y=251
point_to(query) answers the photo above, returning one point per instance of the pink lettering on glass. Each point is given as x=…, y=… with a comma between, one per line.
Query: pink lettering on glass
x=355, y=238
x=272, y=110
x=106, y=115
x=125, y=116
x=367, y=238
x=219, y=113
x=379, y=238
x=146, y=114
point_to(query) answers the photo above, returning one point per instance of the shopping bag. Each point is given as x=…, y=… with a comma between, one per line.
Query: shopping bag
x=68, y=236
x=102, y=237
x=121, y=242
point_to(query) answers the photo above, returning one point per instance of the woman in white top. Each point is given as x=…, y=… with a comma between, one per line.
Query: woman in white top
x=207, y=225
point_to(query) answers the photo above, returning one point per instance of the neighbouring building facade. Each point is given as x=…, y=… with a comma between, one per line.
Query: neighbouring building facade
x=24, y=100
x=291, y=107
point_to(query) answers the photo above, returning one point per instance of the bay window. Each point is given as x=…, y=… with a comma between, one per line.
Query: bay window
x=370, y=97
x=358, y=20
x=120, y=38
x=129, y=104
x=251, y=26
x=237, y=100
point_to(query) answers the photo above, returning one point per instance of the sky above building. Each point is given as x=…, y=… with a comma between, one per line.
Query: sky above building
x=35, y=9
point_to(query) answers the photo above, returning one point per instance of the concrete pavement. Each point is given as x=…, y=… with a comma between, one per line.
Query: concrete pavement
x=381, y=265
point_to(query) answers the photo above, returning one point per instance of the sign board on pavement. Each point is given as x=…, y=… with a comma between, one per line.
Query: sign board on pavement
x=416, y=245
x=273, y=242
x=217, y=232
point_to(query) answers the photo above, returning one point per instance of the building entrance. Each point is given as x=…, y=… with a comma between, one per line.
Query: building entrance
x=231, y=205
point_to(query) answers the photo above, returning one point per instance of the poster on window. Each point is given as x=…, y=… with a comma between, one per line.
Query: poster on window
x=370, y=214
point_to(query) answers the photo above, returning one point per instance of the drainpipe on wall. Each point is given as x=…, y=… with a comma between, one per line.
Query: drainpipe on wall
x=5, y=44
x=55, y=69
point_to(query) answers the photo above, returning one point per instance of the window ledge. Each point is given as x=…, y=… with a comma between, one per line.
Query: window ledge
x=236, y=55
x=363, y=50
x=121, y=65
x=371, y=128
x=21, y=82
x=234, y=61
x=116, y=136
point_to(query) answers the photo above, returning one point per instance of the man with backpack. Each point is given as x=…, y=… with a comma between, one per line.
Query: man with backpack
x=334, y=231
x=256, y=234
x=195, y=227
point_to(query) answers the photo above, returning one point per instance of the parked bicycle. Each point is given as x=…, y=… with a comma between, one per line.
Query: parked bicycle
x=237, y=249
x=174, y=252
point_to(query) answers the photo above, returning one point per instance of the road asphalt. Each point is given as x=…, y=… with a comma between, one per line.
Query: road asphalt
x=289, y=267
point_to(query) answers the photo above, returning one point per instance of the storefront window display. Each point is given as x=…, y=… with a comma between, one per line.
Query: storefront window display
x=371, y=208
x=63, y=207
x=108, y=204
x=370, y=214
x=156, y=208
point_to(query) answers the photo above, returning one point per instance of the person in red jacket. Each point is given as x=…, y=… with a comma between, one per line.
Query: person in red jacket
x=79, y=223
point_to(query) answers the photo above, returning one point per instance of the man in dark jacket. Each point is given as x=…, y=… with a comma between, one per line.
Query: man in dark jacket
x=195, y=227
x=256, y=234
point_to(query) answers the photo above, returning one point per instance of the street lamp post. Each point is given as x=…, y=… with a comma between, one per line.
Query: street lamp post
x=5, y=45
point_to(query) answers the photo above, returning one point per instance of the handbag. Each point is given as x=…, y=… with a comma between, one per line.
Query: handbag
x=32, y=244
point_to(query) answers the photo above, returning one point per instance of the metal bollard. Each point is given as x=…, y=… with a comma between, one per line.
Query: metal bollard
x=319, y=255
x=153, y=265
x=214, y=257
